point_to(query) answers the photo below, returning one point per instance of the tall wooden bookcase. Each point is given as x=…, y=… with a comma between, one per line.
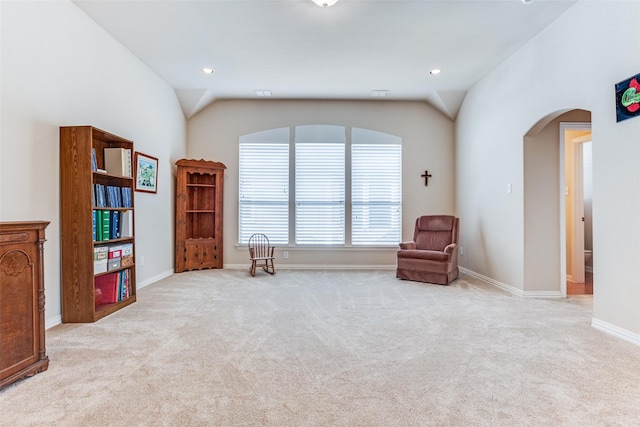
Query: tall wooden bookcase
x=81, y=303
x=199, y=193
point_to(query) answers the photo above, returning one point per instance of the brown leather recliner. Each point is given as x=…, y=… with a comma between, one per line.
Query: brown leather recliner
x=432, y=256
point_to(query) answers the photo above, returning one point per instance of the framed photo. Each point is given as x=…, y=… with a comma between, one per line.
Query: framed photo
x=146, y=173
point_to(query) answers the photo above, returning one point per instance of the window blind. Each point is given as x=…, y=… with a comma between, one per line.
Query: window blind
x=376, y=193
x=320, y=193
x=264, y=191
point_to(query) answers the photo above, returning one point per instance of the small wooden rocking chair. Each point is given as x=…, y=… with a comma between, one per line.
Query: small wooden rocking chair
x=260, y=250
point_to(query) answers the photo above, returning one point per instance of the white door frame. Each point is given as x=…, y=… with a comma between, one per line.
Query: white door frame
x=577, y=258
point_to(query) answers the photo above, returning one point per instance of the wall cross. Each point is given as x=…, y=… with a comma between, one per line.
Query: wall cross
x=426, y=177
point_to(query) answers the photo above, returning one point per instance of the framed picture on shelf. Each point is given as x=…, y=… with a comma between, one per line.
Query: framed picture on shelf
x=146, y=173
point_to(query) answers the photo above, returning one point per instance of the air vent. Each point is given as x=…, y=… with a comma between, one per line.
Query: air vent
x=379, y=93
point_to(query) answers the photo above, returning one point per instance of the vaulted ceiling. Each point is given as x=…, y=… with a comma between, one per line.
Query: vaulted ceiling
x=297, y=50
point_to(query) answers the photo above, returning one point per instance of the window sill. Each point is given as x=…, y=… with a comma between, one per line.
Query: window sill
x=328, y=248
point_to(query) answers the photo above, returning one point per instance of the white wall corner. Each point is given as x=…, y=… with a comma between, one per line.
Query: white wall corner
x=151, y=280
x=54, y=321
x=511, y=289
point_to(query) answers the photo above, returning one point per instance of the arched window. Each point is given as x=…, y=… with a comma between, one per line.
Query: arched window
x=347, y=186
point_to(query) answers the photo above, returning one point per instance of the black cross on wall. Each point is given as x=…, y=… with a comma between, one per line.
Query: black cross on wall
x=426, y=177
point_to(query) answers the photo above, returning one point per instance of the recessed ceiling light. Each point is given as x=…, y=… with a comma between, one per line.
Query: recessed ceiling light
x=325, y=3
x=527, y=1
x=263, y=93
x=379, y=93
x=208, y=70
x=434, y=72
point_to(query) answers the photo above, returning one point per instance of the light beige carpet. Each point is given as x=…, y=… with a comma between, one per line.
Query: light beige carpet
x=331, y=348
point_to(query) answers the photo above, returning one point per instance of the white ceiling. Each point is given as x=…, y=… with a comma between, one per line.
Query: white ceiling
x=301, y=51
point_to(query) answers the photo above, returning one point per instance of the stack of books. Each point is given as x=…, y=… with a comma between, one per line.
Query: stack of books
x=112, y=288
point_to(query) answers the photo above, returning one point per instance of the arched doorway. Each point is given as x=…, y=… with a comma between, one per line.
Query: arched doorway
x=545, y=242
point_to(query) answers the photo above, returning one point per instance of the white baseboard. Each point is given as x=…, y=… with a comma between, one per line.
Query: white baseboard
x=50, y=323
x=163, y=275
x=616, y=331
x=511, y=289
x=608, y=328
x=316, y=267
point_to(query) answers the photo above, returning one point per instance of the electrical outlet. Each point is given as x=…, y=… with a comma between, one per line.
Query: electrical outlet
x=142, y=260
x=461, y=250
x=286, y=254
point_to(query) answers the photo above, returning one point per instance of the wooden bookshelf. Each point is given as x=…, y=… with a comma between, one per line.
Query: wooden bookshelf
x=77, y=203
x=199, y=194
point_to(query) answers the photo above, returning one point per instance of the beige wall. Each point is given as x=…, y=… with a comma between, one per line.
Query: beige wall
x=427, y=144
x=573, y=64
x=59, y=68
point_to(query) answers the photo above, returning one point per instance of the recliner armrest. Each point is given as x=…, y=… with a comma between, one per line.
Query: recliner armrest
x=449, y=249
x=408, y=245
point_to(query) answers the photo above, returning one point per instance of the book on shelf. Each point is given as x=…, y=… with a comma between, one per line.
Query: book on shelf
x=126, y=224
x=94, y=219
x=126, y=197
x=112, y=288
x=117, y=196
x=100, y=196
x=111, y=196
x=114, y=225
x=114, y=197
x=106, y=289
x=124, y=285
x=106, y=224
x=111, y=225
x=98, y=215
x=117, y=161
x=94, y=160
x=111, y=203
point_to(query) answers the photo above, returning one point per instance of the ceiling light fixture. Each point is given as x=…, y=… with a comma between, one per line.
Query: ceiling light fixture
x=325, y=3
x=435, y=72
x=527, y=1
x=208, y=70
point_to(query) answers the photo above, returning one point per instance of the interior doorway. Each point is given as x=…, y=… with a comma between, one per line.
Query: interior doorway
x=548, y=253
x=577, y=145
